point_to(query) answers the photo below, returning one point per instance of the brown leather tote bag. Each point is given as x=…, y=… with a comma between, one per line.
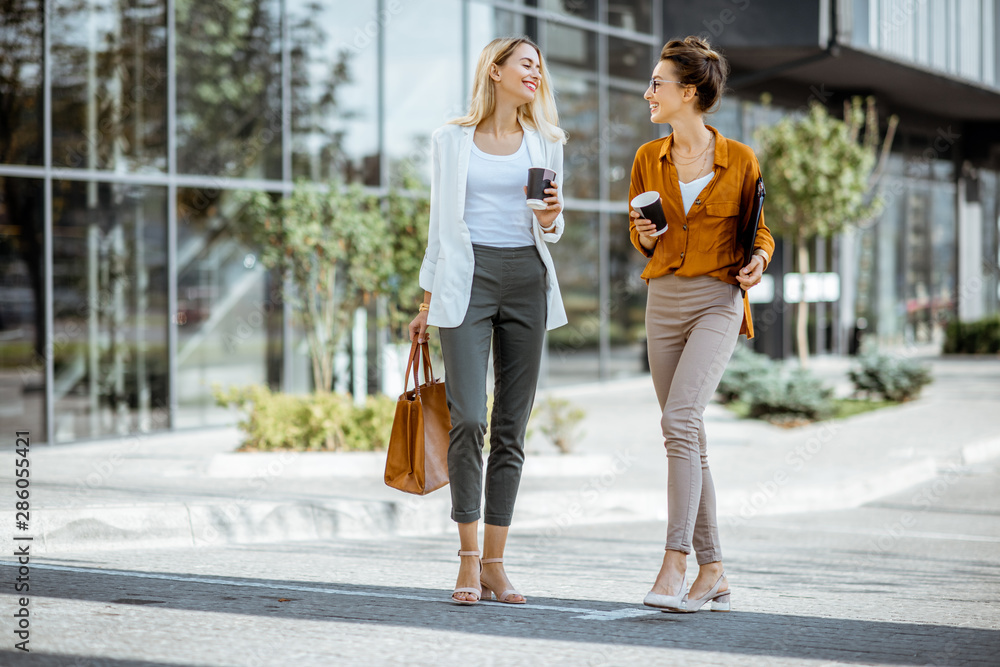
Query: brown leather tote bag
x=417, y=461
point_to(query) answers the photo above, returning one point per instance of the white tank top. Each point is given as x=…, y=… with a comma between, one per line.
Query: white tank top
x=690, y=191
x=495, y=208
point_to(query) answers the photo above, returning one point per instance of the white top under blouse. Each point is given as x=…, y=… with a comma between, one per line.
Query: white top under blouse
x=690, y=191
x=495, y=208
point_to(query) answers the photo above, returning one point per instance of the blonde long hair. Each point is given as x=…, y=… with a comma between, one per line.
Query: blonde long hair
x=539, y=114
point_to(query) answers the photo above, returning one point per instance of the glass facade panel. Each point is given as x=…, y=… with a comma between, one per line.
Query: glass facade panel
x=21, y=60
x=109, y=303
x=570, y=47
x=109, y=85
x=583, y=9
x=628, y=128
x=226, y=306
x=229, y=88
x=422, y=97
x=579, y=116
x=635, y=15
x=630, y=60
x=573, y=349
x=626, y=301
x=334, y=89
x=22, y=306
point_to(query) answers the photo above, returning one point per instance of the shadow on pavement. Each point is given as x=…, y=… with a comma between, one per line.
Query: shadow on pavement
x=35, y=659
x=738, y=633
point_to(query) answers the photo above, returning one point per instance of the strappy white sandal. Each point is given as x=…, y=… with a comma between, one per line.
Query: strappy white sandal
x=720, y=601
x=468, y=589
x=502, y=597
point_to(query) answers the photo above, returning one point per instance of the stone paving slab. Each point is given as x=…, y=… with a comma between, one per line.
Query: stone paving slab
x=808, y=589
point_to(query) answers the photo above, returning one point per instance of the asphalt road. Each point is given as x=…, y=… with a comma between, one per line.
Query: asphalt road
x=913, y=579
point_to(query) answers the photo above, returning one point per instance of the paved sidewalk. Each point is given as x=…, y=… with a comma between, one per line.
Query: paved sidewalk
x=189, y=489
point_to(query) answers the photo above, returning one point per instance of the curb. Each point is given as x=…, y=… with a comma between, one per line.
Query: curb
x=371, y=465
x=233, y=522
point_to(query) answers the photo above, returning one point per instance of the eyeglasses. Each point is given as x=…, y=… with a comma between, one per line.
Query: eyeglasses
x=654, y=83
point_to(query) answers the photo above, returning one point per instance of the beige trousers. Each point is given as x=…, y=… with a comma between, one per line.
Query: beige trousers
x=691, y=326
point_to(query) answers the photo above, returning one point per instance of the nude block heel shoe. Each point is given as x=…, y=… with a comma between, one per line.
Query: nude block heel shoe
x=488, y=593
x=720, y=601
x=468, y=589
x=673, y=603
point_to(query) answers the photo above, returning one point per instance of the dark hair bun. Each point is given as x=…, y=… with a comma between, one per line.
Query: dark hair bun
x=699, y=65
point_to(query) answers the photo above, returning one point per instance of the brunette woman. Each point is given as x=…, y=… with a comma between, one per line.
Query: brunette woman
x=488, y=278
x=694, y=309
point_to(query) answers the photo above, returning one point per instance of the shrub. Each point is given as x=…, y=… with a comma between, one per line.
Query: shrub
x=892, y=378
x=311, y=422
x=789, y=398
x=981, y=337
x=558, y=421
x=745, y=370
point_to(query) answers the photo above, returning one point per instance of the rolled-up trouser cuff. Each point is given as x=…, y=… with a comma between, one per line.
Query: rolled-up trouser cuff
x=465, y=517
x=705, y=557
x=497, y=520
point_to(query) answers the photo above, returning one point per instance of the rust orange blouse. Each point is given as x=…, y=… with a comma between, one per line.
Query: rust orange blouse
x=706, y=240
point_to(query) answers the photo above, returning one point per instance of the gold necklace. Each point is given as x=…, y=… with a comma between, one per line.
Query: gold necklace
x=693, y=158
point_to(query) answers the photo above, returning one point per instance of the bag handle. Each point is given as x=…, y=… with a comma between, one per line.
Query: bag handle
x=410, y=365
x=428, y=371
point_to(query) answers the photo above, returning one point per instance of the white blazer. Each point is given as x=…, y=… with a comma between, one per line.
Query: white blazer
x=449, y=262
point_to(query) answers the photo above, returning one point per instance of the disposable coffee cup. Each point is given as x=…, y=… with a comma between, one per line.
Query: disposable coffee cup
x=539, y=180
x=650, y=208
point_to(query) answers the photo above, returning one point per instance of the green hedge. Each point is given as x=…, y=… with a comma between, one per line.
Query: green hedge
x=310, y=422
x=773, y=393
x=890, y=378
x=981, y=337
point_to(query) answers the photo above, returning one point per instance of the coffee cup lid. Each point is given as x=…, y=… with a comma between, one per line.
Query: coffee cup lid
x=645, y=199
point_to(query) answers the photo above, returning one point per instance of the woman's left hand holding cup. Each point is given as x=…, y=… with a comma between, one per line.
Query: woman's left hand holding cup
x=547, y=216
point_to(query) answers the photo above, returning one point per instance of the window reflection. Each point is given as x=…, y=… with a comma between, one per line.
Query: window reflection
x=22, y=312
x=627, y=301
x=628, y=128
x=229, y=88
x=334, y=89
x=630, y=60
x=636, y=15
x=571, y=47
x=227, y=308
x=584, y=9
x=109, y=303
x=578, y=115
x=573, y=349
x=21, y=49
x=423, y=88
x=109, y=83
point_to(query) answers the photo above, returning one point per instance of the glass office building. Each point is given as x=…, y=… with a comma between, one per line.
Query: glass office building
x=127, y=127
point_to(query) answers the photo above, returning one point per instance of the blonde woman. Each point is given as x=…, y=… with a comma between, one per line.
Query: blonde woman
x=694, y=310
x=488, y=278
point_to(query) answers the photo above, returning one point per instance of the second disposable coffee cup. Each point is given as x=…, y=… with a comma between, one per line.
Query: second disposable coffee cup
x=650, y=208
x=539, y=180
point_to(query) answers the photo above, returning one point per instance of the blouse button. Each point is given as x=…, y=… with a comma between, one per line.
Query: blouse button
x=697, y=201
x=682, y=254
x=685, y=228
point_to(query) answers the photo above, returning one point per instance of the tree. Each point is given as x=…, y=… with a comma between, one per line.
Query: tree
x=821, y=177
x=331, y=243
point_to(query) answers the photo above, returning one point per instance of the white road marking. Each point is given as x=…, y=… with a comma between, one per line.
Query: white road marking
x=862, y=531
x=582, y=612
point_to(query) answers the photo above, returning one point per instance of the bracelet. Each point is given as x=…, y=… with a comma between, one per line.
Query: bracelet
x=423, y=307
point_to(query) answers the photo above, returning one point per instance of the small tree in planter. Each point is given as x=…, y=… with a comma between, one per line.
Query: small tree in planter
x=332, y=244
x=820, y=176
